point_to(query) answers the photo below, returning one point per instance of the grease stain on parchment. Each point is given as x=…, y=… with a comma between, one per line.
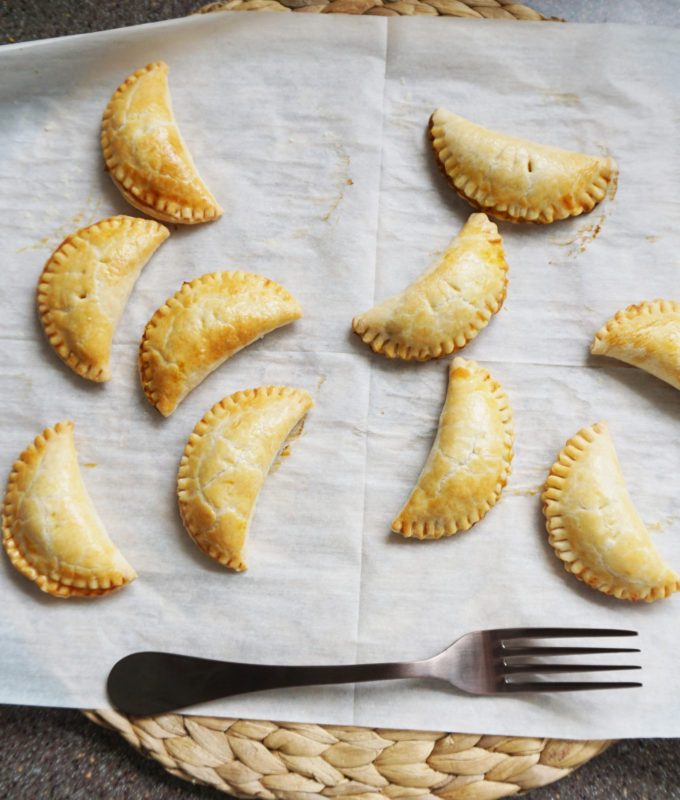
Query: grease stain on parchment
x=563, y=98
x=53, y=217
x=661, y=525
x=590, y=227
x=527, y=491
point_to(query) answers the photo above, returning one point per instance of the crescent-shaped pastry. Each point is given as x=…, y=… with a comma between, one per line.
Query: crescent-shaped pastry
x=145, y=154
x=645, y=335
x=515, y=179
x=469, y=462
x=225, y=462
x=448, y=304
x=204, y=324
x=50, y=528
x=85, y=285
x=593, y=525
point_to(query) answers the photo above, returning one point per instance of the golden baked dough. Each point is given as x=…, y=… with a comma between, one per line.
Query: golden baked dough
x=146, y=155
x=225, y=462
x=85, y=285
x=204, y=324
x=469, y=462
x=645, y=335
x=50, y=528
x=448, y=304
x=593, y=525
x=515, y=179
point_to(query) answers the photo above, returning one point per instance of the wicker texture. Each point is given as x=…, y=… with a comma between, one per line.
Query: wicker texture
x=272, y=761
x=480, y=9
x=267, y=760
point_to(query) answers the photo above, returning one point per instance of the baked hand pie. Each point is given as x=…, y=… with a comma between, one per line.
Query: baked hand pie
x=225, y=462
x=448, y=304
x=645, y=335
x=145, y=154
x=85, y=285
x=469, y=462
x=50, y=528
x=515, y=179
x=204, y=324
x=594, y=527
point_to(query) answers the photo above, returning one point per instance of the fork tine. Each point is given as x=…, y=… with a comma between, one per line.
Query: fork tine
x=513, y=669
x=512, y=652
x=564, y=686
x=556, y=633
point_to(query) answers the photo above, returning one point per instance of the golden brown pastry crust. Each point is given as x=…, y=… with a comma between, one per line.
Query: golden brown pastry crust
x=448, y=304
x=50, y=528
x=646, y=335
x=515, y=179
x=85, y=284
x=470, y=459
x=146, y=155
x=225, y=462
x=205, y=323
x=594, y=527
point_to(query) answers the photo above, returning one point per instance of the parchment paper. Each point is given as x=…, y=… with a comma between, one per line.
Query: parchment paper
x=311, y=131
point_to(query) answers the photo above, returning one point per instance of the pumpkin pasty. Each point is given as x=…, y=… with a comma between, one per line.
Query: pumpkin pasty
x=448, y=304
x=645, y=335
x=146, y=155
x=85, y=285
x=50, y=528
x=469, y=462
x=204, y=324
x=515, y=179
x=225, y=462
x=593, y=525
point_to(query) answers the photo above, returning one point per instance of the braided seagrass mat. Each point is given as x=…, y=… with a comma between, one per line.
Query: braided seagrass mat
x=276, y=761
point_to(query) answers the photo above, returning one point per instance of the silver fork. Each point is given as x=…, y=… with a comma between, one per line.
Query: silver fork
x=482, y=663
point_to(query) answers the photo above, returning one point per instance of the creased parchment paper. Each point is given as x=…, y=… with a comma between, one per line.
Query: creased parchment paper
x=311, y=132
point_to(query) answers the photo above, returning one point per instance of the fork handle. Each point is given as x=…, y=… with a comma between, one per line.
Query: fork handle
x=154, y=683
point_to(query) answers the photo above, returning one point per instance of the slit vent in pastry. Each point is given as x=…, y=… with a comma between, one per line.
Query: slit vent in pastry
x=469, y=462
x=594, y=527
x=204, y=324
x=514, y=179
x=145, y=154
x=85, y=285
x=50, y=528
x=225, y=462
x=448, y=304
x=646, y=335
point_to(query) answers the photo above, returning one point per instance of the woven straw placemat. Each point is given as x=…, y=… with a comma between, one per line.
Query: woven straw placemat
x=277, y=761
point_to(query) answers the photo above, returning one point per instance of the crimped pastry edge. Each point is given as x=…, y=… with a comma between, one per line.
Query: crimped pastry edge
x=600, y=344
x=176, y=302
x=88, y=370
x=436, y=529
x=150, y=204
x=574, y=450
x=393, y=348
x=557, y=210
x=232, y=402
x=50, y=584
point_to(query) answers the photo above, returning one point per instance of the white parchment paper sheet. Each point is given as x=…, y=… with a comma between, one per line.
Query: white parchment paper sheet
x=311, y=131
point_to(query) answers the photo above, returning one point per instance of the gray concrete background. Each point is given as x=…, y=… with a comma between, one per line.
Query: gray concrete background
x=58, y=753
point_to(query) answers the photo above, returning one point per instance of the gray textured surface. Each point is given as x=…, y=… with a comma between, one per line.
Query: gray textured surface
x=58, y=753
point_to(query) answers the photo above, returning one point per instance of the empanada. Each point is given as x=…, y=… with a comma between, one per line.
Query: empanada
x=448, y=304
x=85, y=285
x=205, y=323
x=594, y=527
x=515, y=179
x=145, y=154
x=50, y=528
x=469, y=462
x=645, y=335
x=225, y=462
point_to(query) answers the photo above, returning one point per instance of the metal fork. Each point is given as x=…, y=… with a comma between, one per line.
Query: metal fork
x=482, y=663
